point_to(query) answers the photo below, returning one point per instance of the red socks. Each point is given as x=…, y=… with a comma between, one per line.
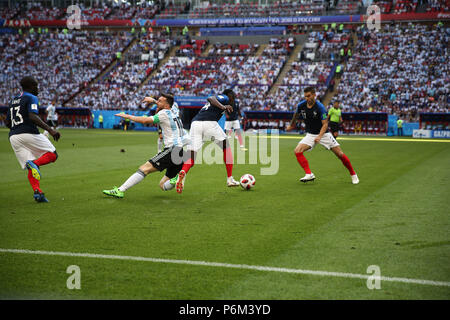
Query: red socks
x=228, y=160
x=188, y=165
x=241, y=143
x=346, y=162
x=34, y=183
x=46, y=158
x=303, y=162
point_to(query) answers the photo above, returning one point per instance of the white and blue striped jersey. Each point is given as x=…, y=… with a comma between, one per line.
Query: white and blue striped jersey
x=174, y=135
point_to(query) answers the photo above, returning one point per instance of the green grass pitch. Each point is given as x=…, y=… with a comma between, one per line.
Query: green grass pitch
x=397, y=218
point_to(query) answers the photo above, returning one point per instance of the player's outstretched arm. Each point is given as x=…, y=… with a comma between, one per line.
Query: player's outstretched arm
x=143, y=120
x=41, y=124
x=8, y=121
x=215, y=103
x=291, y=125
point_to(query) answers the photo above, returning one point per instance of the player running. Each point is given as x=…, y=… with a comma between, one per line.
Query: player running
x=232, y=122
x=335, y=119
x=32, y=149
x=204, y=127
x=315, y=117
x=171, y=158
x=52, y=117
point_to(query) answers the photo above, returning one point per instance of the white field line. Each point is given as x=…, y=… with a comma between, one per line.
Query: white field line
x=228, y=265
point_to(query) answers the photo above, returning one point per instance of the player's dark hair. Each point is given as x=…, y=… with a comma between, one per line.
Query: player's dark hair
x=28, y=83
x=227, y=91
x=309, y=89
x=169, y=98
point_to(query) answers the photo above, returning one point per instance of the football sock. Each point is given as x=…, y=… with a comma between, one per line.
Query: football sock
x=33, y=182
x=168, y=186
x=46, y=158
x=239, y=135
x=133, y=180
x=303, y=162
x=228, y=159
x=188, y=165
x=346, y=162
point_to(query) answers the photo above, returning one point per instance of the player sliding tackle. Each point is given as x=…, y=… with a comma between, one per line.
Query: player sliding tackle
x=315, y=117
x=171, y=158
x=205, y=126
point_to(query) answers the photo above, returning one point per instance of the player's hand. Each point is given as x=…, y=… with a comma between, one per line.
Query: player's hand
x=55, y=134
x=122, y=115
x=228, y=108
x=317, y=139
x=290, y=128
x=149, y=100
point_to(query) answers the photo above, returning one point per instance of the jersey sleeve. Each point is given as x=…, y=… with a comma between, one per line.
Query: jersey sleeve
x=223, y=99
x=161, y=116
x=322, y=111
x=8, y=113
x=33, y=105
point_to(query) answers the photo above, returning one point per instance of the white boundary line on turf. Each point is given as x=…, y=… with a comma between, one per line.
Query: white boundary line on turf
x=228, y=265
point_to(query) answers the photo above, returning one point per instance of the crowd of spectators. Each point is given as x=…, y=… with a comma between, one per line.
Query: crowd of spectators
x=191, y=48
x=276, y=9
x=63, y=63
x=116, y=89
x=401, y=69
x=6, y=13
x=224, y=66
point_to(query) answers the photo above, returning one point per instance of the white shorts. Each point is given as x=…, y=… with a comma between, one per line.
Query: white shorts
x=232, y=125
x=328, y=141
x=29, y=146
x=203, y=131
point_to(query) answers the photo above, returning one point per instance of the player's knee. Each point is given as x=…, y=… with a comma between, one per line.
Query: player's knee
x=146, y=168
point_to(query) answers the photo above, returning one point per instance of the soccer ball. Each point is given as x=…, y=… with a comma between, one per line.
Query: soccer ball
x=247, y=181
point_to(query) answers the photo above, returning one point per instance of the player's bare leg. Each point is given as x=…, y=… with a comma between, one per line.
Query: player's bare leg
x=228, y=160
x=133, y=180
x=167, y=183
x=346, y=162
x=299, y=150
x=238, y=133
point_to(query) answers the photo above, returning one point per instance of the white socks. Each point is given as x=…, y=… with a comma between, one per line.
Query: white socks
x=168, y=186
x=133, y=180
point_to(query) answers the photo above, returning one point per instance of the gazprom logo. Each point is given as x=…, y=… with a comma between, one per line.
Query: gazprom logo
x=441, y=134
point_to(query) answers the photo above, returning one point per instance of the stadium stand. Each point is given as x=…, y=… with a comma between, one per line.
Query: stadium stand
x=276, y=9
x=115, y=89
x=64, y=63
x=390, y=71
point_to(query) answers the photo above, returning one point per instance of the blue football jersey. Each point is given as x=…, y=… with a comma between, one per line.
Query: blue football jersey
x=210, y=113
x=312, y=116
x=18, y=112
x=235, y=114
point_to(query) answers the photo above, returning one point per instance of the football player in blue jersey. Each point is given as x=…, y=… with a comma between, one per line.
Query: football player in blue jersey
x=32, y=148
x=315, y=117
x=232, y=123
x=205, y=126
